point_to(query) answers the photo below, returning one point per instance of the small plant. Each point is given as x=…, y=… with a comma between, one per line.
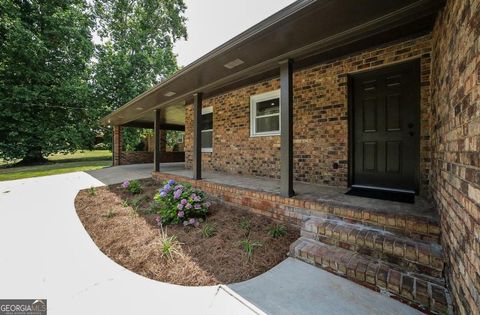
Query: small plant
x=208, y=230
x=136, y=202
x=133, y=186
x=277, y=230
x=110, y=213
x=92, y=191
x=245, y=225
x=249, y=246
x=169, y=245
x=179, y=202
x=125, y=203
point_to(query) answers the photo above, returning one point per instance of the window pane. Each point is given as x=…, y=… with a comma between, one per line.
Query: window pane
x=207, y=139
x=266, y=124
x=268, y=107
x=207, y=121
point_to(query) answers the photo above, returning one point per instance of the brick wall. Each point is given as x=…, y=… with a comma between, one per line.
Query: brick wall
x=456, y=146
x=117, y=145
x=138, y=157
x=320, y=120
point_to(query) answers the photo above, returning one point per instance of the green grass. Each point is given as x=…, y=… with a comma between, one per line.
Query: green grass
x=61, y=163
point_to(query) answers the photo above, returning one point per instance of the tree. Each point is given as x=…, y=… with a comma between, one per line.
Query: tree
x=135, y=51
x=45, y=48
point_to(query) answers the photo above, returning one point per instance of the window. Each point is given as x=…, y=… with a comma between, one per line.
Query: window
x=265, y=114
x=206, y=125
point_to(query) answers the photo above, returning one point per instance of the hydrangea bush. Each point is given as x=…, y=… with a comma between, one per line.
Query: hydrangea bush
x=180, y=203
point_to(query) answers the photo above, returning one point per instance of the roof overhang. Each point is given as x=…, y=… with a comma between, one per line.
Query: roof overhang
x=307, y=31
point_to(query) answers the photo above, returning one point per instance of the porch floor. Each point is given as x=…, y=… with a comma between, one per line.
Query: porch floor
x=307, y=191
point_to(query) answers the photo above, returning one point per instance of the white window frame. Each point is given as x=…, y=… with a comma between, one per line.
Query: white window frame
x=208, y=110
x=254, y=99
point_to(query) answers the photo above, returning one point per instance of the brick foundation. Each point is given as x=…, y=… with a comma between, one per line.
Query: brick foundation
x=456, y=146
x=320, y=120
x=293, y=210
x=138, y=157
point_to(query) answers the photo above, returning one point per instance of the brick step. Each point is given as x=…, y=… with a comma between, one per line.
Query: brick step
x=413, y=255
x=412, y=226
x=423, y=292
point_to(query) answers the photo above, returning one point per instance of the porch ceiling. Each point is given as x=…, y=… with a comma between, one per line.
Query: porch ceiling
x=307, y=31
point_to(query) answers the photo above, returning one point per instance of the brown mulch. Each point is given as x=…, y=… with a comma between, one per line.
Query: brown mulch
x=131, y=238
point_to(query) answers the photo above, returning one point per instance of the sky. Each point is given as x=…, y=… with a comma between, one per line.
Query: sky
x=213, y=22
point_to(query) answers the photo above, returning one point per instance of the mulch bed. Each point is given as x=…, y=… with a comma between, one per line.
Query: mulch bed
x=131, y=238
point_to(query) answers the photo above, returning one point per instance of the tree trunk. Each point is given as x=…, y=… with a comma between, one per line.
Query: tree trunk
x=34, y=156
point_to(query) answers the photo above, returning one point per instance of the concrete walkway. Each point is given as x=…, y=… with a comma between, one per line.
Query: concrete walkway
x=46, y=253
x=294, y=287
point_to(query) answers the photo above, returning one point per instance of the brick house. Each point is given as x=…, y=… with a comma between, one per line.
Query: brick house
x=326, y=96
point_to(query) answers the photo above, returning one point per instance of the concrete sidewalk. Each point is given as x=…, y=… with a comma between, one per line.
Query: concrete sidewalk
x=295, y=287
x=46, y=253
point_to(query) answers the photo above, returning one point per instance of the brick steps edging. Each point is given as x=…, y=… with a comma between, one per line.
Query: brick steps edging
x=292, y=210
x=424, y=293
x=416, y=256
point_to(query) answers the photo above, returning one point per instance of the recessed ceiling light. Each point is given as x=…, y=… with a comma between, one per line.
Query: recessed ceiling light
x=139, y=108
x=170, y=93
x=234, y=63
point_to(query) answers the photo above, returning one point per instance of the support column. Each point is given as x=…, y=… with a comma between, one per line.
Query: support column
x=197, y=136
x=286, y=128
x=116, y=145
x=157, y=141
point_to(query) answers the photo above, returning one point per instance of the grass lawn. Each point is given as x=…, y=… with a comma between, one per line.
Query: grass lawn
x=60, y=163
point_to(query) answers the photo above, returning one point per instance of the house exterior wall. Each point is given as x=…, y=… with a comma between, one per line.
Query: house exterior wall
x=320, y=120
x=456, y=146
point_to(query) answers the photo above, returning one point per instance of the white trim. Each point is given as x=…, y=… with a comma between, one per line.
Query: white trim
x=207, y=110
x=254, y=99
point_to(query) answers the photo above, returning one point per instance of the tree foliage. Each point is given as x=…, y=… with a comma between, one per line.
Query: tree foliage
x=55, y=83
x=45, y=47
x=135, y=52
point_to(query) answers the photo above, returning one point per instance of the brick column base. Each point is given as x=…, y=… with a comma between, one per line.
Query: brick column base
x=117, y=145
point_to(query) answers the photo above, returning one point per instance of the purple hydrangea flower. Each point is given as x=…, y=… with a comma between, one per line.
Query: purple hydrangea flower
x=192, y=221
x=184, y=201
x=193, y=196
x=163, y=193
x=181, y=214
x=197, y=198
x=197, y=206
x=188, y=206
x=167, y=187
x=125, y=184
x=178, y=187
x=177, y=193
x=180, y=206
x=171, y=182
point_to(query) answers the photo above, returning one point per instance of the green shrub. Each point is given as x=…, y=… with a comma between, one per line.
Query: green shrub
x=277, y=230
x=208, y=230
x=110, y=214
x=249, y=246
x=179, y=202
x=92, y=191
x=169, y=245
x=133, y=186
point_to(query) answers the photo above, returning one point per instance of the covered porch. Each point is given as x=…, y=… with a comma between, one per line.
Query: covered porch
x=263, y=195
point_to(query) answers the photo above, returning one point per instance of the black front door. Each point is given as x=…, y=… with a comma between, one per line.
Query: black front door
x=386, y=126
